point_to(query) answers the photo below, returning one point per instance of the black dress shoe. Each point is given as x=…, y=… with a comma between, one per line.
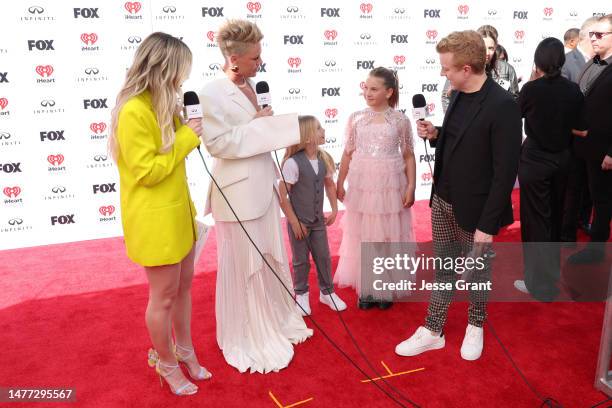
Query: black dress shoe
x=384, y=305
x=366, y=303
x=586, y=256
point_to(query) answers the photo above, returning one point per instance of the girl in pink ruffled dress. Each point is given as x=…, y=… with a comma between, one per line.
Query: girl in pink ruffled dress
x=378, y=163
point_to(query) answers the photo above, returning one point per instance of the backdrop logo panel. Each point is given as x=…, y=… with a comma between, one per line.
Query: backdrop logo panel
x=169, y=13
x=69, y=59
x=36, y=14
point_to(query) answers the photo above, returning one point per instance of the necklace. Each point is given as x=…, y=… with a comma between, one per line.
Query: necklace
x=244, y=83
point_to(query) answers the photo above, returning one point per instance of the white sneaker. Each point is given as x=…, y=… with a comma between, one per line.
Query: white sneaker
x=471, y=349
x=327, y=300
x=422, y=340
x=520, y=286
x=303, y=300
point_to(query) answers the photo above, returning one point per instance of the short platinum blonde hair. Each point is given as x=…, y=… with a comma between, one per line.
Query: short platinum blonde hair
x=235, y=36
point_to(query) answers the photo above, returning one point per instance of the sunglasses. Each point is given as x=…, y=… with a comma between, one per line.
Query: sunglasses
x=598, y=34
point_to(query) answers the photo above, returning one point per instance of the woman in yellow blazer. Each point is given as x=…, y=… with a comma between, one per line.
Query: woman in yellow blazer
x=149, y=143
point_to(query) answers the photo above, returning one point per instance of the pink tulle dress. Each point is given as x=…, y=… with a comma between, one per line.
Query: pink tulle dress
x=377, y=185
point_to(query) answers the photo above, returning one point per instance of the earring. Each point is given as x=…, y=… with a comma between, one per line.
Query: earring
x=234, y=68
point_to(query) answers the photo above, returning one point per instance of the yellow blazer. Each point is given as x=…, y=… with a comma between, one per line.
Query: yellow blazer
x=156, y=209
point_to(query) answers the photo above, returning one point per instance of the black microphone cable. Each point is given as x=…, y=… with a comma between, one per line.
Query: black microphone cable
x=312, y=320
x=546, y=402
x=602, y=402
x=346, y=329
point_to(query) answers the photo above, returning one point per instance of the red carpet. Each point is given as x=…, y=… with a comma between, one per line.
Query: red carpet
x=73, y=316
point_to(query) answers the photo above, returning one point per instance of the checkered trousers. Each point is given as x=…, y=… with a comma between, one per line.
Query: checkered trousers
x=449, y=240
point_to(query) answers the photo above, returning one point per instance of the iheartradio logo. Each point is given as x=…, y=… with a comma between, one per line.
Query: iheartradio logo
x=44, y=70
x=431, y=34
x=253, y=7
x=89, y=39
x=362, y=85
x=463, y=9
x=294, y=62
x=3, y=103
x=430, y=108
x=107, y=210
x=211, y=36
x=366, y=8
x=548, y=11
x=98, y=127
x=426, y=176
x=55, y=159
x=12, y=192
x=133, y=7
x=330, y=34
x=331, y=112
x=399, y=59
x=519, y=35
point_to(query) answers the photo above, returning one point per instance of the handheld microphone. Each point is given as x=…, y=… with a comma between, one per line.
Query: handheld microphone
x=419, y=107
x=263, y=94
x=193, y=109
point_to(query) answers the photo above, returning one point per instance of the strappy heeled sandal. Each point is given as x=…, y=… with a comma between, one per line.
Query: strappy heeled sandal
x=166, y=370
x=188, y=353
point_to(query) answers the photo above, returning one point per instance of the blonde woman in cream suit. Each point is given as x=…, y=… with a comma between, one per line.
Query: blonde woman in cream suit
x=257, y=320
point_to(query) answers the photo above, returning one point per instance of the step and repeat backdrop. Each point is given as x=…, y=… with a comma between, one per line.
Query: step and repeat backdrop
x=63, y=62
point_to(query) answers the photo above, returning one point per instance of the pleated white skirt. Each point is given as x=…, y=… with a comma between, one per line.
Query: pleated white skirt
x=257, y=320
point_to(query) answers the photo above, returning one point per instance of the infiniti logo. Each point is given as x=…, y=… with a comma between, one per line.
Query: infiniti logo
x=59, y=189
x=492, y=12
x=214, y=67
x=169, y=9
x=399, y=10
x=573, y=13
x=365, y=36
x=292, y=9
x=15, y=221
x=36, y=10
x=5, y=135
x=100, y=157
x=47, y=102
x=430, y=61
x=517, y=59
x=330, y=63
x=134, y=39
x=92, y=71
x=295, y=91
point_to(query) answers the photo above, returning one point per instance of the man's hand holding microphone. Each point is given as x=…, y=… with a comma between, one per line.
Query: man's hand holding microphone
x=425, y=129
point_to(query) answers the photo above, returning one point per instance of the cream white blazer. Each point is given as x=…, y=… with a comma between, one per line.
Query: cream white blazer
x=241, y=146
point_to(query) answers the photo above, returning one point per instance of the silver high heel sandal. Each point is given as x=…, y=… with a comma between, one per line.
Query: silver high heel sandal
x=165, y=370
x=185, y=353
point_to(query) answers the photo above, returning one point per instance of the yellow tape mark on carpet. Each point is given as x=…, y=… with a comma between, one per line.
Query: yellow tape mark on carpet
x=391, y=373
x=295, y=404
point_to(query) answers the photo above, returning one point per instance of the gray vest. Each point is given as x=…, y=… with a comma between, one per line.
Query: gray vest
x=307, y=192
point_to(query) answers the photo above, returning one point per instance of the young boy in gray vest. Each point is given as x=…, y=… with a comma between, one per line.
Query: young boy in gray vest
x=307, y=173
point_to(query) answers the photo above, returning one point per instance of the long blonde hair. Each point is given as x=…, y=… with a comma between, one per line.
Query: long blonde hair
x=160, y=65
x=308, y=133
